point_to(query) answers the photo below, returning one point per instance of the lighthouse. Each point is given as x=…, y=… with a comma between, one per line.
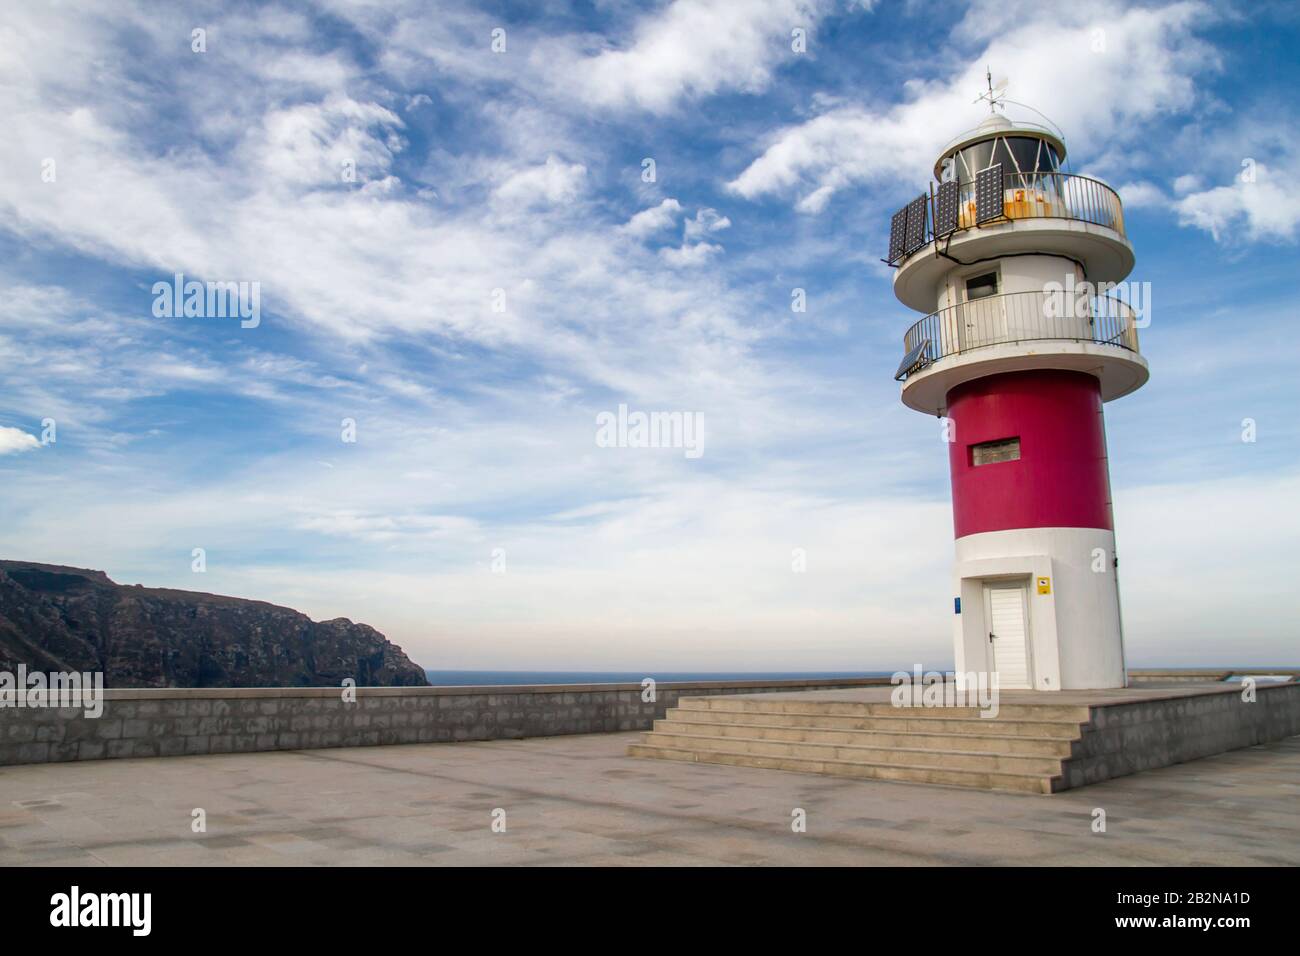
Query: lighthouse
x=1014, y=263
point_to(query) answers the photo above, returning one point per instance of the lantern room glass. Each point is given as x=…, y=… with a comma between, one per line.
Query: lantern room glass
x=1026, y=157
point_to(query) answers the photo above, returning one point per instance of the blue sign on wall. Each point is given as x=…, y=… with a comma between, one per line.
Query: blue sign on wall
x=956, y=605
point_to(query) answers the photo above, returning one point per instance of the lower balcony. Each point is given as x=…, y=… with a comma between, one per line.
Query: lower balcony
x=1017, y=331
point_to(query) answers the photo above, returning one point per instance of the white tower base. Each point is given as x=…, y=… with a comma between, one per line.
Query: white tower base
x=1050, y=596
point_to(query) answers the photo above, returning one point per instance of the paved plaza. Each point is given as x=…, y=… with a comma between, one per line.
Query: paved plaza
x=580, y=800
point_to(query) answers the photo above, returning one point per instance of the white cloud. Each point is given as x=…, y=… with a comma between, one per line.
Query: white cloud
x=14, y=440
x=553, y=182
x=705, y=222
x=1101, y=99
x=1175, y=572
x=314, y=143
x=647, y=222
x=695, y=250
x=829, y=151
x=691, y=49
x=1142, y=195
x=385, y=528
x=1266, y=209
x=690, y=255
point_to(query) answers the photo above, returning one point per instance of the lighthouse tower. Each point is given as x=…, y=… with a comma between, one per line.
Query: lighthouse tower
x=1011, y=260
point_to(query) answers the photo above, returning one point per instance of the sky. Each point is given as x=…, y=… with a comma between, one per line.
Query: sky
x=459, y=248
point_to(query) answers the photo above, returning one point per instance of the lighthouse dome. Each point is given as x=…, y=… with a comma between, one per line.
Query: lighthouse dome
x=1020, y=147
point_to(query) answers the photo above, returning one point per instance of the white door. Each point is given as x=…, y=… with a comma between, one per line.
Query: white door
x=982, y=318
x=1005, y=606
x=986, y=321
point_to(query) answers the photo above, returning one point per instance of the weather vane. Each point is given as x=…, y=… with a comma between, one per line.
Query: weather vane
x=993, y=96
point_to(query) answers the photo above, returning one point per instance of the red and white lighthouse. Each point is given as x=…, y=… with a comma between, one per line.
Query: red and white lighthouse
x=1013, y=261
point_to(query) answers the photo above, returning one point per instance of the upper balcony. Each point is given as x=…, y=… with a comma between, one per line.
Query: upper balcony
x=1019, y=331
x=995, y=215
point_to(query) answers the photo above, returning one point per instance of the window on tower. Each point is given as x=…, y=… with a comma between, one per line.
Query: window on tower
x=992, y=452
x=978, y=287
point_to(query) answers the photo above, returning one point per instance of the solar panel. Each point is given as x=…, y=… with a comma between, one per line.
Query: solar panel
x=897, y=227
x=917, y=358
x=945, y=211
x=916, y=210
x=988, y=194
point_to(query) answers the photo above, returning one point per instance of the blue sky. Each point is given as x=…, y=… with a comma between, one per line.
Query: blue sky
x=521, y=171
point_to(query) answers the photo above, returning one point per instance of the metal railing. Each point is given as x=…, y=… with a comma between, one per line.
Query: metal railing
x=1064, y=315
x=1031, y=196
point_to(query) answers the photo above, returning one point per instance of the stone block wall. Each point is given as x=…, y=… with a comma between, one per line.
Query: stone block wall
x=1121, y=739
x=1201, y=675
x=182, y=721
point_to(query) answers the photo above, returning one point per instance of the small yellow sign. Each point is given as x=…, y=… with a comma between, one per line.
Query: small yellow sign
x=1044, y=585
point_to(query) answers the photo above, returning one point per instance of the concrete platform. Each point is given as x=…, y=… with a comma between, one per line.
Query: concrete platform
x=1032, y=742
x=579, y=800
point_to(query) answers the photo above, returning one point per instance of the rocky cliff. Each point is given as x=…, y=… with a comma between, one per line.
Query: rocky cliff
x=55, y=618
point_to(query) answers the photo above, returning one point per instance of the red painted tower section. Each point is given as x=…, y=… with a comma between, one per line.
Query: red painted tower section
x=1060, y=479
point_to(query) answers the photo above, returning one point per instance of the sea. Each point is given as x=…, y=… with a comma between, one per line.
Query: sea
x=487, y=678
x=471, y=678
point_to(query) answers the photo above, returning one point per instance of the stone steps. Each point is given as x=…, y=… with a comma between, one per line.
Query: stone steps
x=952, y=759
x=1022, y=749
x=903, y=720
x=979, y=780
x=1058, y=747
x=847, y=708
